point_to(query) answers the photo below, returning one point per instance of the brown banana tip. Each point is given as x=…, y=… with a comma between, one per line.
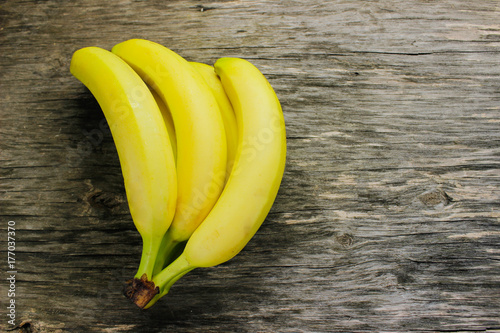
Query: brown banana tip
x=140, y=291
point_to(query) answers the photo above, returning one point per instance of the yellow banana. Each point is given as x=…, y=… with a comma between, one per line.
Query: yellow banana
x=201, y=139
x=173, y=239
x=228, y=117
x=254, y=181
x=142, y=142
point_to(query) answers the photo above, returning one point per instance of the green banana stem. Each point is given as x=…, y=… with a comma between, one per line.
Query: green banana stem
x=168, y=276
x=167, y=287
x=165, y=253
x=150, y=247
x=140, y=290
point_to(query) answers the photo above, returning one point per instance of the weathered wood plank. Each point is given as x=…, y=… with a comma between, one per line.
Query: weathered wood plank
x=388, y=215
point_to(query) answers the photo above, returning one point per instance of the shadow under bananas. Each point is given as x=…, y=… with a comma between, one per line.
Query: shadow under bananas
x=257, y=278
x=255, y=284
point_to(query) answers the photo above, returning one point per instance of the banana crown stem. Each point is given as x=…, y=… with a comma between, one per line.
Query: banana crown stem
x=166, y=277
x=165, y=253
x=148, y=257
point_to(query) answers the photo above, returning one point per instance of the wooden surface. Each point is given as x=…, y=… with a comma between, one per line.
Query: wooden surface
x=388, y=215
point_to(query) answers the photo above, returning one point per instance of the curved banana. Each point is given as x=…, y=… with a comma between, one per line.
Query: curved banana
x=173, y=243
x=142, y=142
x=254, y=181
x=227, y=112
x=201, y=139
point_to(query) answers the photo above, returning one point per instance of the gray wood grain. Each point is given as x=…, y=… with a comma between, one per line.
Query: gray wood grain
x=388, y=215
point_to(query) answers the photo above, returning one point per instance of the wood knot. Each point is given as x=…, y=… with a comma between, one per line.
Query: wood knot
x=435, y=197
x=24, y=327
x=101, y=199
x=346, y=240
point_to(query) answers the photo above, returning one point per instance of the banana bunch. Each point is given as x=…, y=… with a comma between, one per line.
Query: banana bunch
x=202, y=151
